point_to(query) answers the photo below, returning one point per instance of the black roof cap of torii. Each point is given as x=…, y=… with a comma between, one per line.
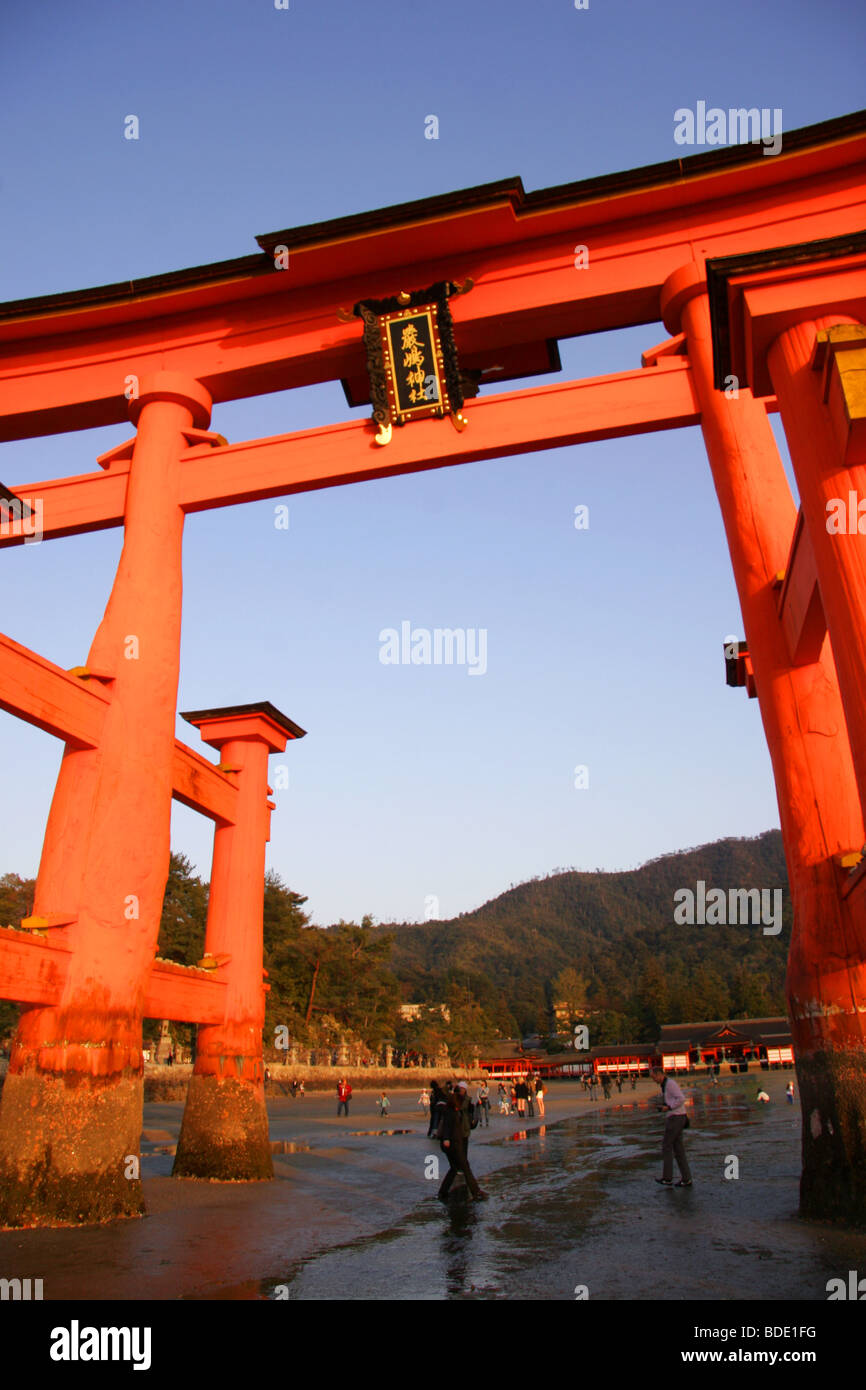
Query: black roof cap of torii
x=357, y=224
x=260, y=707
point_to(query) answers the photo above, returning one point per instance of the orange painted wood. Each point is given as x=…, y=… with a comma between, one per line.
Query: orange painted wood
x=823, y=476
x=800, y=706
x=106, y=849
x=573, y=412
x=33, y=971
x=184, y=995
x=34, y=689
x=763, y=305
x=236, y=903
x=518, y=422
x=800, y=608
x=201, y=786
x=225, y=1123
x=243, y=334
x=819, y=807
x=85, y=502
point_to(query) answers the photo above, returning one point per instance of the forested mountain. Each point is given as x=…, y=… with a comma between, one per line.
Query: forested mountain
x=606, y=945
x=617, y=930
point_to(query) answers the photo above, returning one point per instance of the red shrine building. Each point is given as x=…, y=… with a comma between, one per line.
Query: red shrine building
x=764, y=1043
x=749, y=273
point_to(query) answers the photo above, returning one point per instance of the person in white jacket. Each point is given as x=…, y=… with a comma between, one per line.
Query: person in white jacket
x=674, y=1104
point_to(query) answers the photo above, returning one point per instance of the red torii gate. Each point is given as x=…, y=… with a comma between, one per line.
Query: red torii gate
x=757, y=266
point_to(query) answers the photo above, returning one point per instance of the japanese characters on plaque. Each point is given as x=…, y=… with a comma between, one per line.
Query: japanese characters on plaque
x=412, y=357
x=411, y=341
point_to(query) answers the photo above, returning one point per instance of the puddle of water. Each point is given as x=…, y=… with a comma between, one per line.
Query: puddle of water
x=364, y=1133
x=289, y=1146
x=579, y=1206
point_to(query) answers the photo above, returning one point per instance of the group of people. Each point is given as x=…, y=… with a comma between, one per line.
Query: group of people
x=452, y=1116
x=591, y=1081
x=520, y=1098
x=764, y=1099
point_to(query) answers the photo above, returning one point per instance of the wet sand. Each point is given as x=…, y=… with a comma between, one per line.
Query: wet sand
x=573, y=1204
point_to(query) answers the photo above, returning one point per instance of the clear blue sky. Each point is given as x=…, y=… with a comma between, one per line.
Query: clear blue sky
x=604, y=646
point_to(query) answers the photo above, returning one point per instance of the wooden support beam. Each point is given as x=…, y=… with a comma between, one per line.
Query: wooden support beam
x=35, y=690
x=203, y=787
x=546, y=417
x=33, y=971
x=184, y=994
x=244, y=328
x=800, y=608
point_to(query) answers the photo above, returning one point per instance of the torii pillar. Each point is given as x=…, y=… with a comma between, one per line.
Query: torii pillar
x=224, y=1134
x=821, y=814
x=71, y=1111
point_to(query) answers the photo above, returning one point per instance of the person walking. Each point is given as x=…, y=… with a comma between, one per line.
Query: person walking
x=424, y=1102
x=539, y=1096
x=605, y=1086
x=344, y=1095
x=530, y=1097
x=454, y=1130
x=438, y=1102
x=789, y=1093
x=674, y=1103
x=484, y=1103
x=384, y=1105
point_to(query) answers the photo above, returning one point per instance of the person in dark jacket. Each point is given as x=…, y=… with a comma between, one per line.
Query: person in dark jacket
x=521, y=1094
x=438, y=1102
x=454, y=1128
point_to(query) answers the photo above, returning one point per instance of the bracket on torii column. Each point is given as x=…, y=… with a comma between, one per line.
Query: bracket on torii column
x=738, y=668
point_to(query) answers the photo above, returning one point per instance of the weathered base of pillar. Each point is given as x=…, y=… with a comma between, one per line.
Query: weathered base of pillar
x=69, y=1150
x=833, y=1095
x=224, y=1135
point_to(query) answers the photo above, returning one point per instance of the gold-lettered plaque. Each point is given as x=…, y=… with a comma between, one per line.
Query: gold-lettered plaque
x=412, y=357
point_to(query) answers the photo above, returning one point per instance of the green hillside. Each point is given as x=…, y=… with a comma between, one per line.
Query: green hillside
x=604, y=944
x=617, y=931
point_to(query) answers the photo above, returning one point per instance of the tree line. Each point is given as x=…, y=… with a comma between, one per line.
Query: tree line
x=574, y=947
